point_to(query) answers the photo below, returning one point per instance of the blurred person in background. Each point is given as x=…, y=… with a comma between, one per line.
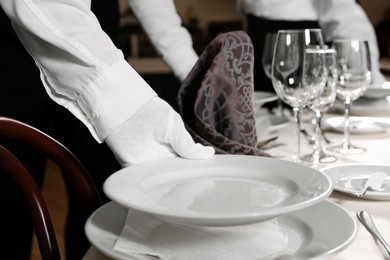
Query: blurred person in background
x=338, y=19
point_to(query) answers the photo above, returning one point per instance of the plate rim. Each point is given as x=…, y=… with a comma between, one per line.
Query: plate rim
x=106, y=248
x=200, y=218
x=370, y=195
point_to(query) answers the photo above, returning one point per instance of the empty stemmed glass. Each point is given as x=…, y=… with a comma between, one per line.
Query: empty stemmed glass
x=266, y=62
x=354, y=76
x=321, y=105
x=298, y=71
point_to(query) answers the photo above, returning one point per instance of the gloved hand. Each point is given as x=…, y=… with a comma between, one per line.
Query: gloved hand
x=155, y=131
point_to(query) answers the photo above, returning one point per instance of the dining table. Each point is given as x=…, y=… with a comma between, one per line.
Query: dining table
x=377, y=145
x=377, y=152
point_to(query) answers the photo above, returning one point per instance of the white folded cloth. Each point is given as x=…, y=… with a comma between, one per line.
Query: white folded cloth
x=146, y=235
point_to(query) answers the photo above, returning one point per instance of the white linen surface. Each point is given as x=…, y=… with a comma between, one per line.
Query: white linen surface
x=263, y=124
x=143, y=234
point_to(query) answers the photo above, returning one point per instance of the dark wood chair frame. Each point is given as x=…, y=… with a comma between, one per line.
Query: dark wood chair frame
x=71, y=168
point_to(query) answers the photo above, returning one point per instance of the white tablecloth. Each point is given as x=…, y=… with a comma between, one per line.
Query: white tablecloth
x=378, y=151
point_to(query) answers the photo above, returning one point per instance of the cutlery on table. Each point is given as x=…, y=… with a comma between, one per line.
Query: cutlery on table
x=267, y=143
x=325, y=137
x=366, y=219
x=308, y=136
x=374, y=182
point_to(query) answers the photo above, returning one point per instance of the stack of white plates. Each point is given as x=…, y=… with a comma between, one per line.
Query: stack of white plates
x=228, y=190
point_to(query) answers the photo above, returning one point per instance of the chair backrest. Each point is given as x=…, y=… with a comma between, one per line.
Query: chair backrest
x=70, y=166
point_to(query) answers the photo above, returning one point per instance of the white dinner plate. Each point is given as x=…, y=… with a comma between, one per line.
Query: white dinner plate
x=222, y=191
x=377, y=92
x=358, y=124
x=262, y=97
x=318, y=231
x=367, y=107
x=350, y=178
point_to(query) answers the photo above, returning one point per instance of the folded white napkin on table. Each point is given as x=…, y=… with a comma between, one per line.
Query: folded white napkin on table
x=146, y=235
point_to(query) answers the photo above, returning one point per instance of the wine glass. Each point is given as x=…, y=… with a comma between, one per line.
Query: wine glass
x=266, y=62
x=354, y=76
x=298, y=71
x=268, y=51
x=321, y=105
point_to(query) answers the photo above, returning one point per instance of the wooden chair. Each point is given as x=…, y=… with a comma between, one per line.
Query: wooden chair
x=70, y=166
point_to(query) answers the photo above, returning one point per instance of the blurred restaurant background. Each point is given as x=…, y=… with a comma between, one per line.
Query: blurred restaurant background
x=205, y=19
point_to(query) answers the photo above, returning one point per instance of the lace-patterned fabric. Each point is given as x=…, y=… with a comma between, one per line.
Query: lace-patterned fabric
x=215, y=100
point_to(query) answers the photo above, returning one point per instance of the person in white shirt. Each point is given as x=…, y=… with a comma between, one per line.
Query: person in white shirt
x=337, y=18
x=83, y=71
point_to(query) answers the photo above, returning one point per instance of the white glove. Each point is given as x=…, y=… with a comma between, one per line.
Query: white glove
x=155, y=131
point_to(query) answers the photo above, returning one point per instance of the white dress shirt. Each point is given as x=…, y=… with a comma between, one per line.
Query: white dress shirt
x=80, y=67
x=162, y=23
x=83, y=70
x=339, y=19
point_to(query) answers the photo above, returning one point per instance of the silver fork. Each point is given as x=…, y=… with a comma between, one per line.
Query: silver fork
x=366, y=219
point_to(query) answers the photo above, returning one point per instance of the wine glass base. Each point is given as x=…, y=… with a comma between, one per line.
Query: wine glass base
x=318, y=158
x=347, y=149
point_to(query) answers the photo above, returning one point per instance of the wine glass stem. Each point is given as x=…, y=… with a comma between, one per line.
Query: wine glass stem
x=346, y=141
x=317, y=131
x=297, y=115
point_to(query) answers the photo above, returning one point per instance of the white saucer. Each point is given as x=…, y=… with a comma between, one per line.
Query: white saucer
x=358, y=124
x=350, y=178
x=316, y=232
x=225, y=190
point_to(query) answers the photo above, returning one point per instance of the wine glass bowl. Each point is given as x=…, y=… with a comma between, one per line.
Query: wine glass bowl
x=298, y=71
x=354, y=76
x=320, y=106
x=268, y=51
x=266, y=62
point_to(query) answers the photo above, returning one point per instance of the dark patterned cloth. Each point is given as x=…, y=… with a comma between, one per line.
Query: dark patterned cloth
x=215, y=100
